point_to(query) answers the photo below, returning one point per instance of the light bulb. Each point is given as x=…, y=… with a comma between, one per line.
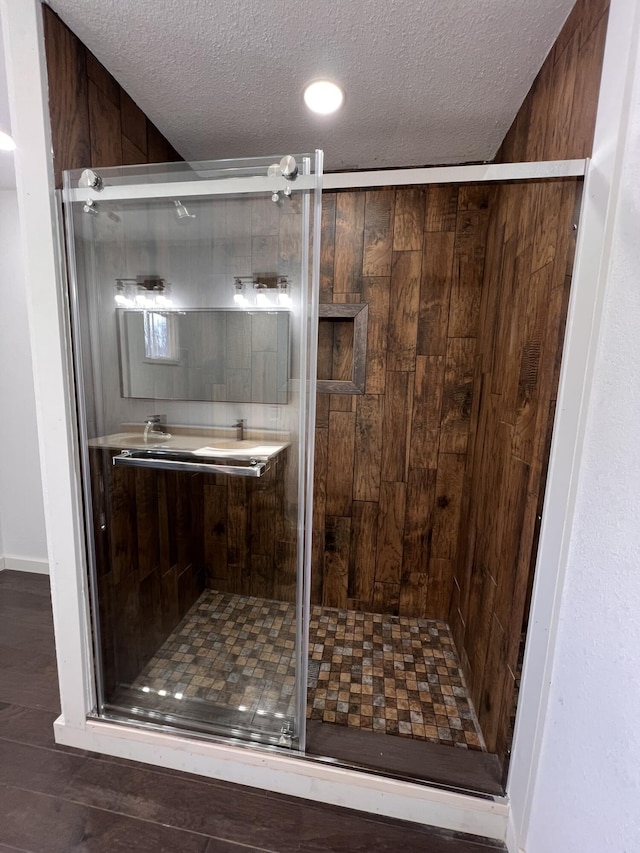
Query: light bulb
x=262, y=300
x=240, y=298
x=323, y=97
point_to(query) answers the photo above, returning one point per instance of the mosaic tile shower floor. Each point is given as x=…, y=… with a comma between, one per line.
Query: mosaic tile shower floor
x=387, y=674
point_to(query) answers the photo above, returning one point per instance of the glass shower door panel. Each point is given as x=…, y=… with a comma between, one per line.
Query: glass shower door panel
x=192, y=298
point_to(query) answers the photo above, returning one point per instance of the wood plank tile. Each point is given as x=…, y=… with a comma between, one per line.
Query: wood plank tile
x=327, y=246
x=403, y=310
x=427, y=409
x=32, y=768
x=376, y=293
x=421, y=492
x=492, y=692
x=66, y=72
x=468, y=272
x=238, y=531
x=390, y=533
x=413, y=594
x=131, y=154
x=121, y=520
x=364, y=533
x=146, y=508
x=97, y=73
x=398, y=405
x=340, y=463
x=158, y=149
x=368, y=447
x=483, y=591
x=105, y=132
x=565, y=72
x=263, y=579
x=215, y=531
x=263, y=503
x=349, y=242
x=319, y=512
x=31, y=726
x=322, y=411
x=441, y=207
x=133, y=122
x=586, y=89
x=446, y=514
x=342, y=350
x=540, y=94
x=378, y=233
x=439, y=588
x=435, y=293
x=59, y=826
x=408, y=224
x=386, y=598
x=336, y=561
x=325, y=349
x=457, y=396
x=475, y=196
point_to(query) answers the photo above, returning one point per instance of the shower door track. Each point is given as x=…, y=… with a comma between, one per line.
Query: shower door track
x=483, y=173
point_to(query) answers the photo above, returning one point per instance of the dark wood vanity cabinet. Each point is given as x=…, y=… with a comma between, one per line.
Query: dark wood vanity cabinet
x=161, y=537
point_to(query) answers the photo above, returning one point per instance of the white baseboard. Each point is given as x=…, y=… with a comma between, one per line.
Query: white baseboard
x=20, y=564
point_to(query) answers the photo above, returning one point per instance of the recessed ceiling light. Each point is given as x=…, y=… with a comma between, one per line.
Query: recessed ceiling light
x=6, y=142
x=324, y=97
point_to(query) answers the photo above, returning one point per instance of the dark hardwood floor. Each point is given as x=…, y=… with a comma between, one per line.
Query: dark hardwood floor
x=54, y=799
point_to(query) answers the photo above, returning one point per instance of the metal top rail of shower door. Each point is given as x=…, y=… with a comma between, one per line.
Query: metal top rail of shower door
x=244, y=185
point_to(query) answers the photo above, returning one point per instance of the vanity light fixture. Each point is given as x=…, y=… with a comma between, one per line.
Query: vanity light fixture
x=262, y=300
x=323, y=97
x=239, y=295
x=270, y=290
x=283, y=293
x=141, y=292
x=6, y=142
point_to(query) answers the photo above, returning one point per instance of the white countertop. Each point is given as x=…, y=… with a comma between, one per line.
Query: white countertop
x=204, y=445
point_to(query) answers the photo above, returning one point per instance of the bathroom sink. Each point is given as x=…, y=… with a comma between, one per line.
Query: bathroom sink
x=136, y=439
x=238, y=448
x=206, y=446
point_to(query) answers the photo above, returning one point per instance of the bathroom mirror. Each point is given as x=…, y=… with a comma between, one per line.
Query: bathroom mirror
x=221, y=355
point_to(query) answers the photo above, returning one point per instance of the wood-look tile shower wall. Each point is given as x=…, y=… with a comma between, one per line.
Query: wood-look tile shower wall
x=390, y=463
x=94, y=122
x=530, y=246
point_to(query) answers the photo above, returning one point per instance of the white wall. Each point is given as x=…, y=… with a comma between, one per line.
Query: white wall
x=587, y=791
x=21, y=507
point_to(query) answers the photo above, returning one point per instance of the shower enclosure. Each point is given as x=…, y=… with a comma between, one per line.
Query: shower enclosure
x=194, y=302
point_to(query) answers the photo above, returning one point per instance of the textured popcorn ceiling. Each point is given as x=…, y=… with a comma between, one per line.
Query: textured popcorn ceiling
x=426, y=81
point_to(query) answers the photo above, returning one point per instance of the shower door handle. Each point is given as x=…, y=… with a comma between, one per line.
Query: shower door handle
x=254, y=468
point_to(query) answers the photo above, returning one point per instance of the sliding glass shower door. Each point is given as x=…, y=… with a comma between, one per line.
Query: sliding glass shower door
x=194, y=313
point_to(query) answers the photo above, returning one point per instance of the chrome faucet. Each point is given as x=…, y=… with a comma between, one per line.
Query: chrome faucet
x=239, y=428
x=153, y=426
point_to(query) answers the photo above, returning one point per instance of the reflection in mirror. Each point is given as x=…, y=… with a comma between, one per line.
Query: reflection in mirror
x=221, y=355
